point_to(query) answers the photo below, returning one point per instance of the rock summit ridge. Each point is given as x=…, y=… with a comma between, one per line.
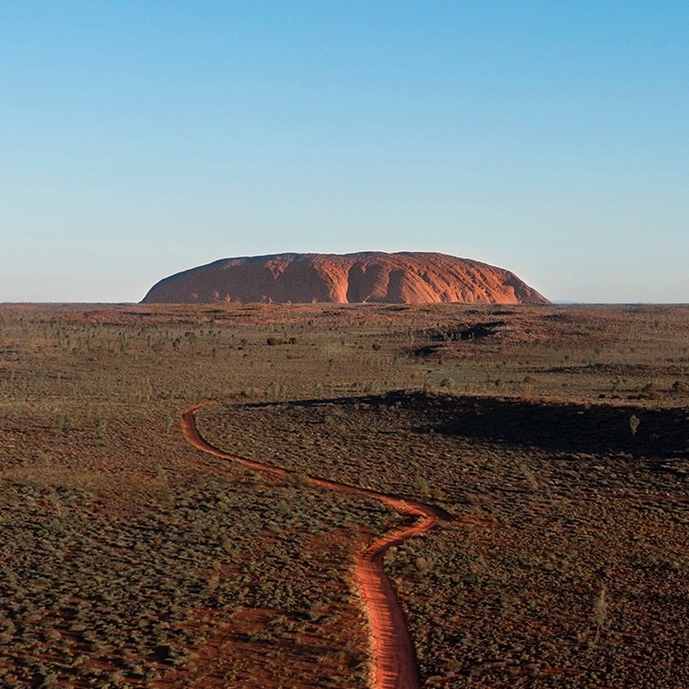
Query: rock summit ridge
x=407, y=277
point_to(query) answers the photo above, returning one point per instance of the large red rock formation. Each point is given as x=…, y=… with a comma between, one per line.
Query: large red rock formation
x=375, y=277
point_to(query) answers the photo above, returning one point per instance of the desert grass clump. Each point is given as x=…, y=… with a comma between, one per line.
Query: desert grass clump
x=600, y=612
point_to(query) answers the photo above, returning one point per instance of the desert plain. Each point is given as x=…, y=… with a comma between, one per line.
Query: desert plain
x=554, y=439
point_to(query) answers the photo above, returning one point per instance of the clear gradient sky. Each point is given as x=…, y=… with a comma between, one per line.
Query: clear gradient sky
x=139, y=138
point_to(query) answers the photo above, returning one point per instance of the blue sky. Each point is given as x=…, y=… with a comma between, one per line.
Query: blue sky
x=138, y=139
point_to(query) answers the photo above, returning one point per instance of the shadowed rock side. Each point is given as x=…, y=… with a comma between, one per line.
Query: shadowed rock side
x=374, y=277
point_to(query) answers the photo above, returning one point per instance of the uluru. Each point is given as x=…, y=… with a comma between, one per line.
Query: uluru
x=408, y=277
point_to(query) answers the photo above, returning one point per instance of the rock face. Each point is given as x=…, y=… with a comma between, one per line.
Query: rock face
x=373, y=277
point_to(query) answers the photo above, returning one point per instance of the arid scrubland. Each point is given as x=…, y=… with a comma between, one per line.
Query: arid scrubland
x=557, y=437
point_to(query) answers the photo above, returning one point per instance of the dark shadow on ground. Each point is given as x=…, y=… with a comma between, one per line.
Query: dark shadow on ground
x=637, y=431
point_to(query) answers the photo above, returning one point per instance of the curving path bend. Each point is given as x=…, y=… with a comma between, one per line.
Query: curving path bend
x=393, y=659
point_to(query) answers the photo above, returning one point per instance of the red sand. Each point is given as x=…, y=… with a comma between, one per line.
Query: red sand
x=393, y=662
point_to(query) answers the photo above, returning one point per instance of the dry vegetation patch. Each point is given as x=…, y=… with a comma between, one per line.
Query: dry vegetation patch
x=567, y=562
x=130, y=559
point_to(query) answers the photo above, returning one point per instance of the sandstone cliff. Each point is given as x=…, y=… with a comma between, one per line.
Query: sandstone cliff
x=375, y=277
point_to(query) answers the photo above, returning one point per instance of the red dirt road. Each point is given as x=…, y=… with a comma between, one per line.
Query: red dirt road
x=393, y=660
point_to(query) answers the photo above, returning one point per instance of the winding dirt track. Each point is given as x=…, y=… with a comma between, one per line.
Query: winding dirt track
x=393, y=662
